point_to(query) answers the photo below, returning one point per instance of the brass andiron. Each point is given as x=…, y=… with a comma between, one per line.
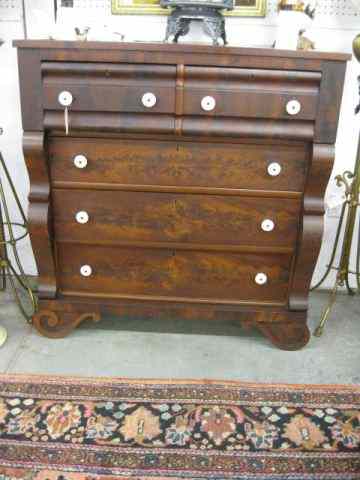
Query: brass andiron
x=12, y=270
x=350, y=181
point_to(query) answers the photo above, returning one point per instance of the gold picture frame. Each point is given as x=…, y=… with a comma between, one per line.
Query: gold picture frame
x=243, y=8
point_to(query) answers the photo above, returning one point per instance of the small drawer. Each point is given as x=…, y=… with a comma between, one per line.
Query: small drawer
x=182, y=164
x=106, y=87
x=247, y=93
x=116, y=216
x=172, y=274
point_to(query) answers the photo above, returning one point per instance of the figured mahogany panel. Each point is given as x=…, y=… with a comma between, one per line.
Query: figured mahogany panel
x=96, y=59
x=163, y=217
x=256, y=128
x=251, y=93
x=82, y=123
x=172, y=49
x=109, y=87
x=87, y=122
x=170, y=274
x=29, y=63
x=186, y=164
x=330, y=100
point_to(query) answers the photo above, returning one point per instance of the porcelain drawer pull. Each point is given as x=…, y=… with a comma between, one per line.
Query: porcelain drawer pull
x=208, y=103
x=274, y=169
x=267, y=225
x=293, y=107
x=65, y=99
x=86, y=271
x=261, y=278
x=82, y=217
x=80, y=161
x=148, y=100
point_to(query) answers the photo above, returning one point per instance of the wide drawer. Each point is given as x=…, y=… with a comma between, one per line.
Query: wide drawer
x=108, y=87
x=147, y=163
x=235, y=92
x=170, y=274
x=116, y=216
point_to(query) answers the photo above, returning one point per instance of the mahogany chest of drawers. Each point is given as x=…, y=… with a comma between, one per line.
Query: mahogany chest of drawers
x=177, y=180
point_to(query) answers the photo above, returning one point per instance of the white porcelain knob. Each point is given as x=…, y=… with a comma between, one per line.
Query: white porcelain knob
x=260, y=278
x=148, y=100
x=267, y=225
x=82, y=217
x=65, y=98
x=80, y=161
x=208, y=103
x=86, y=270
x=293, y=107
x=274, y=169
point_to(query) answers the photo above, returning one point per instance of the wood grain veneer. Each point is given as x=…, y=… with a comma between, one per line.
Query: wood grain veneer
x=177, y=195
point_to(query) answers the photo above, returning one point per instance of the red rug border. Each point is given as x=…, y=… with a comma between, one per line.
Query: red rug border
x=84, y=380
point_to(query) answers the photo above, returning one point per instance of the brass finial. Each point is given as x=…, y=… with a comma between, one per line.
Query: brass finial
x=356, y=47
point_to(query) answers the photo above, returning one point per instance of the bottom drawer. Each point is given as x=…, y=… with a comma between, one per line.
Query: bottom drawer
x=183, y=275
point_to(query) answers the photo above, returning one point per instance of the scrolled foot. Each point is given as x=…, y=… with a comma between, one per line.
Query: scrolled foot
x=286, y=336
x=59, y=324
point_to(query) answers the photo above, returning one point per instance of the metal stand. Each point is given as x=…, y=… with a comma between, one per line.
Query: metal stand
x=180, y=18
x=13, y=271
x=349, y=210
x=351, y=182
x=206, y=11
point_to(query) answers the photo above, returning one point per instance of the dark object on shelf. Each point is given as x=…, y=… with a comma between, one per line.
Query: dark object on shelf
x=11, y=269
x=183, y=189
x=209, y=13
x=304, y=43
x=81, y=34
x=308, y=9
x=351, y=182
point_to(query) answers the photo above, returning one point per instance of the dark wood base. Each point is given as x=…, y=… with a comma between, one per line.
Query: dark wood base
x=292, y=335
x=286, y=329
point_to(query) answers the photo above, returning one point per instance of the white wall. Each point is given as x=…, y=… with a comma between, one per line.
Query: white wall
x=10, y=120
x=333, y=30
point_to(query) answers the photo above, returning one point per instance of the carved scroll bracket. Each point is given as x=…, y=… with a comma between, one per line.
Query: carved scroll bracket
x=40, y=227
x=312, y=226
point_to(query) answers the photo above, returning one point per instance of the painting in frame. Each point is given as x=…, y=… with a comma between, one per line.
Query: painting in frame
x=242, y=8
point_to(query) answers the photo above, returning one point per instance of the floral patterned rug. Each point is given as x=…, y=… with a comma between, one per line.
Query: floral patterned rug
x=54, y=428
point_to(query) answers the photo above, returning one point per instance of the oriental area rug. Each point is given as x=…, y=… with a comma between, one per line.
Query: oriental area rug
x=54, y=428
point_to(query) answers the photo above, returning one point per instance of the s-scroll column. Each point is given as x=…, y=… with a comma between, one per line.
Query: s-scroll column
x=179, y=98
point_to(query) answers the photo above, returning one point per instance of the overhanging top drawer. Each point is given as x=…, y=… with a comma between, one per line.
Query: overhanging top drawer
x=239, y=92
x=110, y=87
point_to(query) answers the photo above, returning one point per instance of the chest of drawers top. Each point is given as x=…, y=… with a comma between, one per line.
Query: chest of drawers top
x=184, y=90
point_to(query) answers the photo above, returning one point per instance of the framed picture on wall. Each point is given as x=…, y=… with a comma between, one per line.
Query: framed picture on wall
x=242, y=8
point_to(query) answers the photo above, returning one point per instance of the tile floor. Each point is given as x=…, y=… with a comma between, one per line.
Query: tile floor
x=136, y=348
